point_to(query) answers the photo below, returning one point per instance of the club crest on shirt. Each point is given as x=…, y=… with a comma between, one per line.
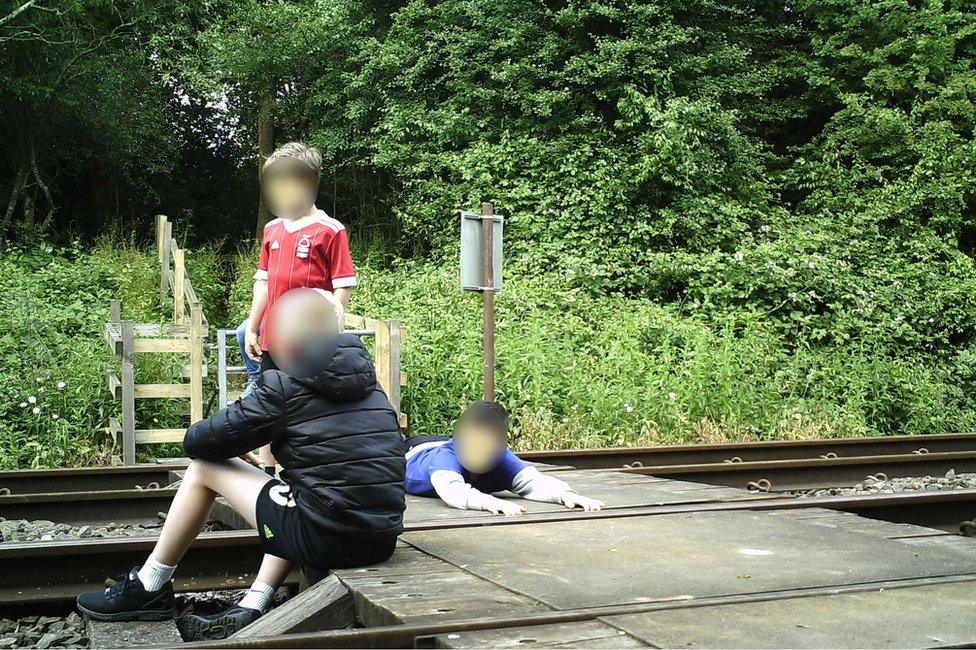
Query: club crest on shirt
x=275, y=245
x=303, y=246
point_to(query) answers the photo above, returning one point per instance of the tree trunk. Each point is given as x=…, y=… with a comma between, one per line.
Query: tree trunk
x=44, y=188
x=265, y=148
x=15, y=194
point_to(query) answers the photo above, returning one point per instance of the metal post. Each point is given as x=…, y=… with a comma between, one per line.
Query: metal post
x=222, y=368
x=196, y=362
x=488, y=292
x=128, y=395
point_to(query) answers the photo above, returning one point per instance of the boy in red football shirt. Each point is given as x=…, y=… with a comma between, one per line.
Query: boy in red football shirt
x=302, y=247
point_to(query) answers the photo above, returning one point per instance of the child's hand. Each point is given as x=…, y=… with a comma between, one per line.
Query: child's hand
x=252, y=345
x=251, y=458
x=507, y=508
x=573, y=500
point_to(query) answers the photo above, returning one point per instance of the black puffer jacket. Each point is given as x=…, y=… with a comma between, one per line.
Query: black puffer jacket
x=336, y=436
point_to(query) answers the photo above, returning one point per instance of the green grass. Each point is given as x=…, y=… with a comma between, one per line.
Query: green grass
x=575, y=370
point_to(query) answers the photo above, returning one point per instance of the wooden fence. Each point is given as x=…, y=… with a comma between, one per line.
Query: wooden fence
x=187, y=334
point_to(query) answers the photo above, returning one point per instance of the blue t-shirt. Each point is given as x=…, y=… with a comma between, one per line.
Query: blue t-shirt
x=425, y=462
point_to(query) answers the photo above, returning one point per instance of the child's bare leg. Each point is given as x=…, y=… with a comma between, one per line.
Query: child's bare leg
x=237, y=481
x=272, y=573
x=267, y=457
x=273, y=570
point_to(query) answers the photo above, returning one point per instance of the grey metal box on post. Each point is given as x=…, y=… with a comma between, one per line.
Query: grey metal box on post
x=472, y=267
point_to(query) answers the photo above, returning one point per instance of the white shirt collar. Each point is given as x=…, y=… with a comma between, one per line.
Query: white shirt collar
x=294, y=225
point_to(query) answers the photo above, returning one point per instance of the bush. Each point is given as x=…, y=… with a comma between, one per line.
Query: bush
x=582, y=371
x=55, y=404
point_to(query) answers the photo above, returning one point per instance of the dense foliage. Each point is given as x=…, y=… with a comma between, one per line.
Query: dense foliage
x=54, y=303
x=766, y=209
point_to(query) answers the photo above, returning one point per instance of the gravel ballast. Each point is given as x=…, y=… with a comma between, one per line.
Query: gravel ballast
x=881, y=484
x=25, y=530
x=43, y=632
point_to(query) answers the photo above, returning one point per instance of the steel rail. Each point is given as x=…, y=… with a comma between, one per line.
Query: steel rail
x=420, y=634
x=805, y=474
x=89, y=508
x=35, y=572
x=126, y=477
x=85, y=479
x=753, y=451
x=44, y=572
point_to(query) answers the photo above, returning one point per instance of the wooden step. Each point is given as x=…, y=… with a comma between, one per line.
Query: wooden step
x=326, y=605
x=144, y=391
x=113, y=333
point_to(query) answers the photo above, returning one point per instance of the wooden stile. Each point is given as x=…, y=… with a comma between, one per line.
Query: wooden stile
x=179, y=276
x=196, y=363
x=128, y=397
x=187, y=334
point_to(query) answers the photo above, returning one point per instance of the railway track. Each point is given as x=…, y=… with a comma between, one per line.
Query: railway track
x=425, y=635
x=52, y=571
x=812, y=473
x=617, y=457
x=86, y=479
x=684, y=460
x=36, y=573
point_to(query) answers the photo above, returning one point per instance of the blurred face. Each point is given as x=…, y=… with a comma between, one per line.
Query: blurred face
x=479, y=448
x=300, y=318
x=288, y=188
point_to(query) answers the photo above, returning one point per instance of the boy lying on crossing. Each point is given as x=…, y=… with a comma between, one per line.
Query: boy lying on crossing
x=464, y=470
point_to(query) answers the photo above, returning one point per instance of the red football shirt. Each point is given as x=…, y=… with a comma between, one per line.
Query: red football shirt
x=309, y=252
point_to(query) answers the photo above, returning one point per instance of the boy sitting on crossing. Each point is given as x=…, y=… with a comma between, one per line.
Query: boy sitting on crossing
x=464, y=470
x=340, y=502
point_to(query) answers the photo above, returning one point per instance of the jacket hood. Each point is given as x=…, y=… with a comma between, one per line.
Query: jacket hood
x=339, y=368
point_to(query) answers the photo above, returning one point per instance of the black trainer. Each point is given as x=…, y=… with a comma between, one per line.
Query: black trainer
x=128, y=600
x=200, y=627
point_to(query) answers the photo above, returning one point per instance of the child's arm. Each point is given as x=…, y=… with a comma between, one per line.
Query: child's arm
x=453, y=491
x=247, y=424
x=532, y=484
x=341, y=268
x=343, y=294
x=259, y=300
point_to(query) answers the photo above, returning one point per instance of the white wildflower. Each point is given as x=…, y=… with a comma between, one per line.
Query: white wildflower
x=61, y=384
x=32, y=399
x=574, y=407
x=36, y=410
x=23, y=405
x=55, y=416
x=672, y=396
x=565, y=420
x=39, y=380
x=628, y=408
x=739, y=256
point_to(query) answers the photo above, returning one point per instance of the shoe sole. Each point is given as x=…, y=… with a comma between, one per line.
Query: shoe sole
x=121, y=617
x=195, y=628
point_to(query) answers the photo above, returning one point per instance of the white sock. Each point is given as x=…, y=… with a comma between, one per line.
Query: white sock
x=153, y=575
x=258, y=596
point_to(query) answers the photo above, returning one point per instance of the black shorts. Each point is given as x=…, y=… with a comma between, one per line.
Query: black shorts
x=285, y=534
